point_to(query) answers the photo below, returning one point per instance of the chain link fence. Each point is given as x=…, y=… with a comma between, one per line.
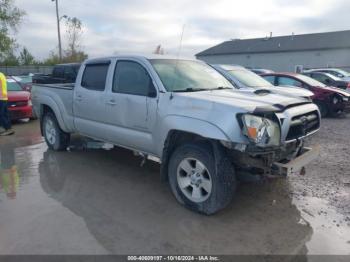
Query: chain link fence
x=25, y=70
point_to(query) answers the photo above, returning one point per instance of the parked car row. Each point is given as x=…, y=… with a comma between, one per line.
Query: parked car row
x=324, y=88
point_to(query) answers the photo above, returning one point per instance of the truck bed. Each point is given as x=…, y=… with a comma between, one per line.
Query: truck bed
x=59, y=97
x=69, y=86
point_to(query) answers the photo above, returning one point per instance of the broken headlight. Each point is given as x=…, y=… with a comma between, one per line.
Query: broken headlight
x=261, y=131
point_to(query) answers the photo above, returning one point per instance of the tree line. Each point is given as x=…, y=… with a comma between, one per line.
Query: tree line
x=12, y=54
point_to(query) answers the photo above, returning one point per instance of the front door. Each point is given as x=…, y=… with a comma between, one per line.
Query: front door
x=131, y=106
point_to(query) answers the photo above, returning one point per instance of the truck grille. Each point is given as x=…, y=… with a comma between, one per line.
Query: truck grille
x=303, y=125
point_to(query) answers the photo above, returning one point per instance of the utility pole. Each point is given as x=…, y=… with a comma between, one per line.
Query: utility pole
x=58, y=31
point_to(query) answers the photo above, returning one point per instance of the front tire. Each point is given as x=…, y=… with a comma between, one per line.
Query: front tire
x=56, y=139
x=199, y=181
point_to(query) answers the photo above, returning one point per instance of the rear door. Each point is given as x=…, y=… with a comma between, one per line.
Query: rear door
x=90, y=100
x=131, y=106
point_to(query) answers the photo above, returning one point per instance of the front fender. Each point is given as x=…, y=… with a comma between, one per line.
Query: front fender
x=189, y=125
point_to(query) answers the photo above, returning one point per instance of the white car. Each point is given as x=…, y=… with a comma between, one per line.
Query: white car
x=344, y=75
x=245, y=80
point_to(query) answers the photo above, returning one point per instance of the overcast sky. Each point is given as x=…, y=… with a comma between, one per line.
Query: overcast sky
x=117, y=26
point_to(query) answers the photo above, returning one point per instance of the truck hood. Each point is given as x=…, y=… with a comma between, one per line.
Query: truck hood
x=247, y=100
x=15, y=96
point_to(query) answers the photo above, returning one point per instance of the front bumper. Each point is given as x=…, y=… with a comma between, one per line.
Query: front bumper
x=347, y=107
x=294, y=166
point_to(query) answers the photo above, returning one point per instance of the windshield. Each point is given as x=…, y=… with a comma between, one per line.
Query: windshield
x=188, y=75
x=249, y=78
x=13, y=86
x=336, y=78
x=310, y=81
x=340, y=73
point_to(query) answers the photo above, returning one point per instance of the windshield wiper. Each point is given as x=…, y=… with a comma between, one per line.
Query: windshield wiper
x=190, y=89
x=222, y=87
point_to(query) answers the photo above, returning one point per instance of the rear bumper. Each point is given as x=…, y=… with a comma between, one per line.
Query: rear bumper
x=20, y=112
x=294, y=166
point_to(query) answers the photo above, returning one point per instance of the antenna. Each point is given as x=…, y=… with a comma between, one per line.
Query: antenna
x=177, y=58
x=181, y=38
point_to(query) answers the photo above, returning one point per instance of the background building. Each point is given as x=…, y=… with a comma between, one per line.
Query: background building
x=284, y=53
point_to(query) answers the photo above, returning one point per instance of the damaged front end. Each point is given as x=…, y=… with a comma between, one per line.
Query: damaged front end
x=276, y=142
x=273, y=162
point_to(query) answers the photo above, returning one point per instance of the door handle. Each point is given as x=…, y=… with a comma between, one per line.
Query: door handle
x=78, y=98
x=111, y=102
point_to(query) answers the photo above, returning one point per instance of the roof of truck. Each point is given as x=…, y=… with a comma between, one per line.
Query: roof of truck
x=141, y=56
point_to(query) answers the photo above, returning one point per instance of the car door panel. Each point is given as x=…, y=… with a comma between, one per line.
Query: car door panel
x=128, y=115
x=90, y=101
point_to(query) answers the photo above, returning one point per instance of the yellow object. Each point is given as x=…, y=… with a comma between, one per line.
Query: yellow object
x=3, y=87
x=9, y=179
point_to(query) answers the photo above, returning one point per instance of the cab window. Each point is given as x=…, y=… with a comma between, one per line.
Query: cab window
x=133, y=79
x=94, y=77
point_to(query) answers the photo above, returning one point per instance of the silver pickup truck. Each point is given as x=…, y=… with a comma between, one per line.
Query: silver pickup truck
x=188, y=116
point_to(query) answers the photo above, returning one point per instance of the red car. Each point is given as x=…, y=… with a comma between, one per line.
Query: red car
x=330, y=100
x=19, y=101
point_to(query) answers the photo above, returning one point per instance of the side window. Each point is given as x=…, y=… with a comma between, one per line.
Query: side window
x=271, y=79
x=132, y=78
x=287, y=81
x=322, y=78
x=94, y=77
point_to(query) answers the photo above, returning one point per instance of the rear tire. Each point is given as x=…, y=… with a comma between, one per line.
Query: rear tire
x=199, y=181
x=56, y=139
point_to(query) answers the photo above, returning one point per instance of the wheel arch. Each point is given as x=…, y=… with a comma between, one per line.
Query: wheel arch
x=175, y=138
x=51, y=106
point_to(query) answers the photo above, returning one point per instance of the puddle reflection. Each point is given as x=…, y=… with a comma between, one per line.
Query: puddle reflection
x=127, y=209
x=9, y=177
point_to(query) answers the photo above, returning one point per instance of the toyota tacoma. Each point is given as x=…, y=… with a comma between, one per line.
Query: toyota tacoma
x=185, y=114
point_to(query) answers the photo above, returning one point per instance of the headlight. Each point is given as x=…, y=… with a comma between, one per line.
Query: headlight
x=30, y=102
x=262, y=131
x=336, y=100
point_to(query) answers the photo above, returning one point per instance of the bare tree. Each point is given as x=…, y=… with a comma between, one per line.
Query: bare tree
x=25, y=57
x=74, y=32
x=10, y=19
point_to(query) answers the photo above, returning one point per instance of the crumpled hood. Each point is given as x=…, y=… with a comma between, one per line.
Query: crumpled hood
x=247, y=100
